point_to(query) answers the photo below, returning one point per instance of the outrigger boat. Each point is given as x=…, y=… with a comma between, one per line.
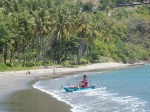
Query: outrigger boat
x=78, y=88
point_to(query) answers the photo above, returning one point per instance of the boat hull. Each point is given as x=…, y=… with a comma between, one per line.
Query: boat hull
x=72, y=89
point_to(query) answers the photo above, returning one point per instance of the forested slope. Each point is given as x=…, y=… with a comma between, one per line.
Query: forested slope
x=43, y=32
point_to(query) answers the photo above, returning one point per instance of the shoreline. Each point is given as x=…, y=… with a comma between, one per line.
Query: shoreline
x=59, y=70
x=14, y=82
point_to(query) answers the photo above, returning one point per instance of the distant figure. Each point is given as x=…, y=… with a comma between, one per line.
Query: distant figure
x=54, y=71
x=84, y=82
x=28, y=72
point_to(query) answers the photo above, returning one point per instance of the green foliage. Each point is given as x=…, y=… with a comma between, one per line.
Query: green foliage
x=3, y=67
x=144, y=55
x=122, y=13
x=47, y=32
x=27, y=56
x=3, y=32
x=143, y=10
x=103, y=59
x=104, y=4
x=1, y=58
x=135, y=53
x=15, y=65
x=93, y=57
x=84, y=61
x=66, y=63
x=28, y=64
x=88, y=6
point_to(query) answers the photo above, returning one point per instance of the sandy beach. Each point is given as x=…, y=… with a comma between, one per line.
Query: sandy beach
x=18, y=95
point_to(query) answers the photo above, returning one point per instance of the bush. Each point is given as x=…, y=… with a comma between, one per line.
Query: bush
x=66, y=63
x=105, y=59
x=38, y=64
x=1, y=58
x=3, y=67
x=28, y=64
x=116, y=57
x=144, y=55
x=84, y=61
x=16, y=65
x=8, y=64
x=88, y=6
x=124, y=58
x=93, y=57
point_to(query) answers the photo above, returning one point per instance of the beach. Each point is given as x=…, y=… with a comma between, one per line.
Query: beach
x=18, y=95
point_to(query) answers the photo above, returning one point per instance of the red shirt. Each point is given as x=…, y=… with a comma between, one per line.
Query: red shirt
x=85, y=83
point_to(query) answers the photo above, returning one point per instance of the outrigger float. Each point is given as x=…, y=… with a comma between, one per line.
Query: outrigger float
x=72, y=89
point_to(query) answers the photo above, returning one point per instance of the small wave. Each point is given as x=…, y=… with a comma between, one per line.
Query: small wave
x=54, y=93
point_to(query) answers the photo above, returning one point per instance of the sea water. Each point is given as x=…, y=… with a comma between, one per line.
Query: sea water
x=125, y=90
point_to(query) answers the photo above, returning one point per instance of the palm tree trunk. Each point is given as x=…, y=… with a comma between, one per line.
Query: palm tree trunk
x=43, y=50
x=11, y=56
x=80, y=51
x=19, y=55
x=5, y=53
x=37, y=49
x=87, y=47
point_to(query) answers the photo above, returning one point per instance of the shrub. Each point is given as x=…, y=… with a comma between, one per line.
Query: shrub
x=8, y=64
x=1, y=58
x=3, y=67
x=93, y=57
x=105, y=59
x=124, y=58
x=66, y=63
x=28, y=64
x=144, y=55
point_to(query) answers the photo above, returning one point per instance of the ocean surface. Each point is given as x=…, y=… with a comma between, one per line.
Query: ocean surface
x=123, y=90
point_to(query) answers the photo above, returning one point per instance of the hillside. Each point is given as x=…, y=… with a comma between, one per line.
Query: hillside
x=60, y=33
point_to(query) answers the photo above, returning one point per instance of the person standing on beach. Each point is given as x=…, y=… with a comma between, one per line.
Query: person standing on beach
x=84, y=82
x=54, y=71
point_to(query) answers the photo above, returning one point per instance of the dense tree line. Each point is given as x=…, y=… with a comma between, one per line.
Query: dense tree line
x=41, y=32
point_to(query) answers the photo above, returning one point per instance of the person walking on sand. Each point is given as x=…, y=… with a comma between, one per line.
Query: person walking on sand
x=84, y=82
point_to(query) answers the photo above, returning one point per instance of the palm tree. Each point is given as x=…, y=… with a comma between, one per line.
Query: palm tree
x=86, y=32
x=5, y=38
x=61, y=31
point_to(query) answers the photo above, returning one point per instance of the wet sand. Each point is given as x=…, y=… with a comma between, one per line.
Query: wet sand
x=18, y=95
x=33, y=100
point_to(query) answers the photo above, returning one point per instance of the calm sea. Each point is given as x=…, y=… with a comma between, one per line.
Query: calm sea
x=125, y=90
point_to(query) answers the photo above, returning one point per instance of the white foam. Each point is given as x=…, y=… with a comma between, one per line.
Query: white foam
x=51, y=93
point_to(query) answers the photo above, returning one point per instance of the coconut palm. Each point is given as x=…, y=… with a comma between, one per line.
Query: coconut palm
x=61, y=31
x=4, y=40
x=86, y=32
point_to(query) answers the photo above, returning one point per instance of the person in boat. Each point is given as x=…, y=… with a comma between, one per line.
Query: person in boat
x=84, y=82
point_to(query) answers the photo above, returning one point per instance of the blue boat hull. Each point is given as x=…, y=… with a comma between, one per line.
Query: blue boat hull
x=72, y=89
